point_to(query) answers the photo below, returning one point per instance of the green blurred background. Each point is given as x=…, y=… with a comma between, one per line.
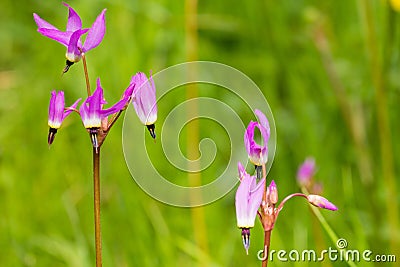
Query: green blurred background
x=329, y=70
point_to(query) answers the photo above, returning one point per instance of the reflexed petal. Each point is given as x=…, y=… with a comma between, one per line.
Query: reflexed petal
x=74, y=21
x=120, y=104
x=241, y=203
x=144, y=98
x=91, y=108
x=241, y=170
x=71, y=108
x=258, y=154
x=265, y=125
x=73, y=52
x=52, y=103
x=59, y=106
x=56, y=109
x=249, y=137
x=248, y=200
x=96, y=99
x=96, y=32
x=256, y=196
x=59, y=36
x=41, y=23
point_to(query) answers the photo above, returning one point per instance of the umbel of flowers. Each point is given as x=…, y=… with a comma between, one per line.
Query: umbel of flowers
x=96, y=117
x=254, y=197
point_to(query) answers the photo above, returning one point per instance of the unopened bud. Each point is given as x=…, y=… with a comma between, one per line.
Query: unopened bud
x=272, y=193
x=321, y=202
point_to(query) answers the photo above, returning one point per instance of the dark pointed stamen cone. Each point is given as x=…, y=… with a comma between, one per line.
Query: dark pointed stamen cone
x=67, y=66
x=246, y=239
x=93, y=137
x=151, y=129
x=51, y=136
x=258, y=172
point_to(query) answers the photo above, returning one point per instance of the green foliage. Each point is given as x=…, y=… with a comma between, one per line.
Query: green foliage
x=313, y=61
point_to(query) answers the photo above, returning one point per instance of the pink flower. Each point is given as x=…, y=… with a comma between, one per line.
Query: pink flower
x=248, y=199
x=306, y=171
x=258, y=154
x=92, y=112
x=71, y=38
x=57, y=113
x=144, y=100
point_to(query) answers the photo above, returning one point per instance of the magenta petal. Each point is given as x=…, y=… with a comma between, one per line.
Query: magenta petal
x=41, y=23
x=241, y=170
x=242, y=204
x=114, y=109
x=256, y=196
x=71, y=108
x=56, y=109
x=96, y=32
x=90, y=110
x=73, y=52
x=59, y=106
x=74, y=21
x=248, y=199
x=265, y=125
x=145, y=98
x=96, y=100
x=59, y=36
x=52, y=109
x=126, y=97
x=249, y=136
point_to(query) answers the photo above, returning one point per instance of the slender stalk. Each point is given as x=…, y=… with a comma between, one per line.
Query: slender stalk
x=96, y=189
x=264, y=216
x=280, y=207
x=86, y=74
x=267, y=242
x=332, y=235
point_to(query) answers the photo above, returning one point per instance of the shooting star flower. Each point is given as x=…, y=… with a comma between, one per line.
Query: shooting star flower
x=92, y=112
x=71, y=38
x=248, y=199
x=144, y=101
x=258, y=154
x=57, y=113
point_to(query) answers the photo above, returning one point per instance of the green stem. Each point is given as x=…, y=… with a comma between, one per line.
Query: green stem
x=332, y=235
x=96, y=189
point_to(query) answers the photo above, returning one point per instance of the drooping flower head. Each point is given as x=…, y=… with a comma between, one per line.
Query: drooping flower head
x=71, y=37
x=92, y=112
x=258, y=154
x=248, y=199
x=144, y=100
x=306, y=171
x=57, y=113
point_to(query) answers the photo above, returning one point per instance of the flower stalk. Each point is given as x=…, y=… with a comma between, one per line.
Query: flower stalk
x=85, y=71
x=96, y=194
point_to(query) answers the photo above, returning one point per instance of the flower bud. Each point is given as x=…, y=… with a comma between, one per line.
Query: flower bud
x=321, y=202
x=272, y=193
